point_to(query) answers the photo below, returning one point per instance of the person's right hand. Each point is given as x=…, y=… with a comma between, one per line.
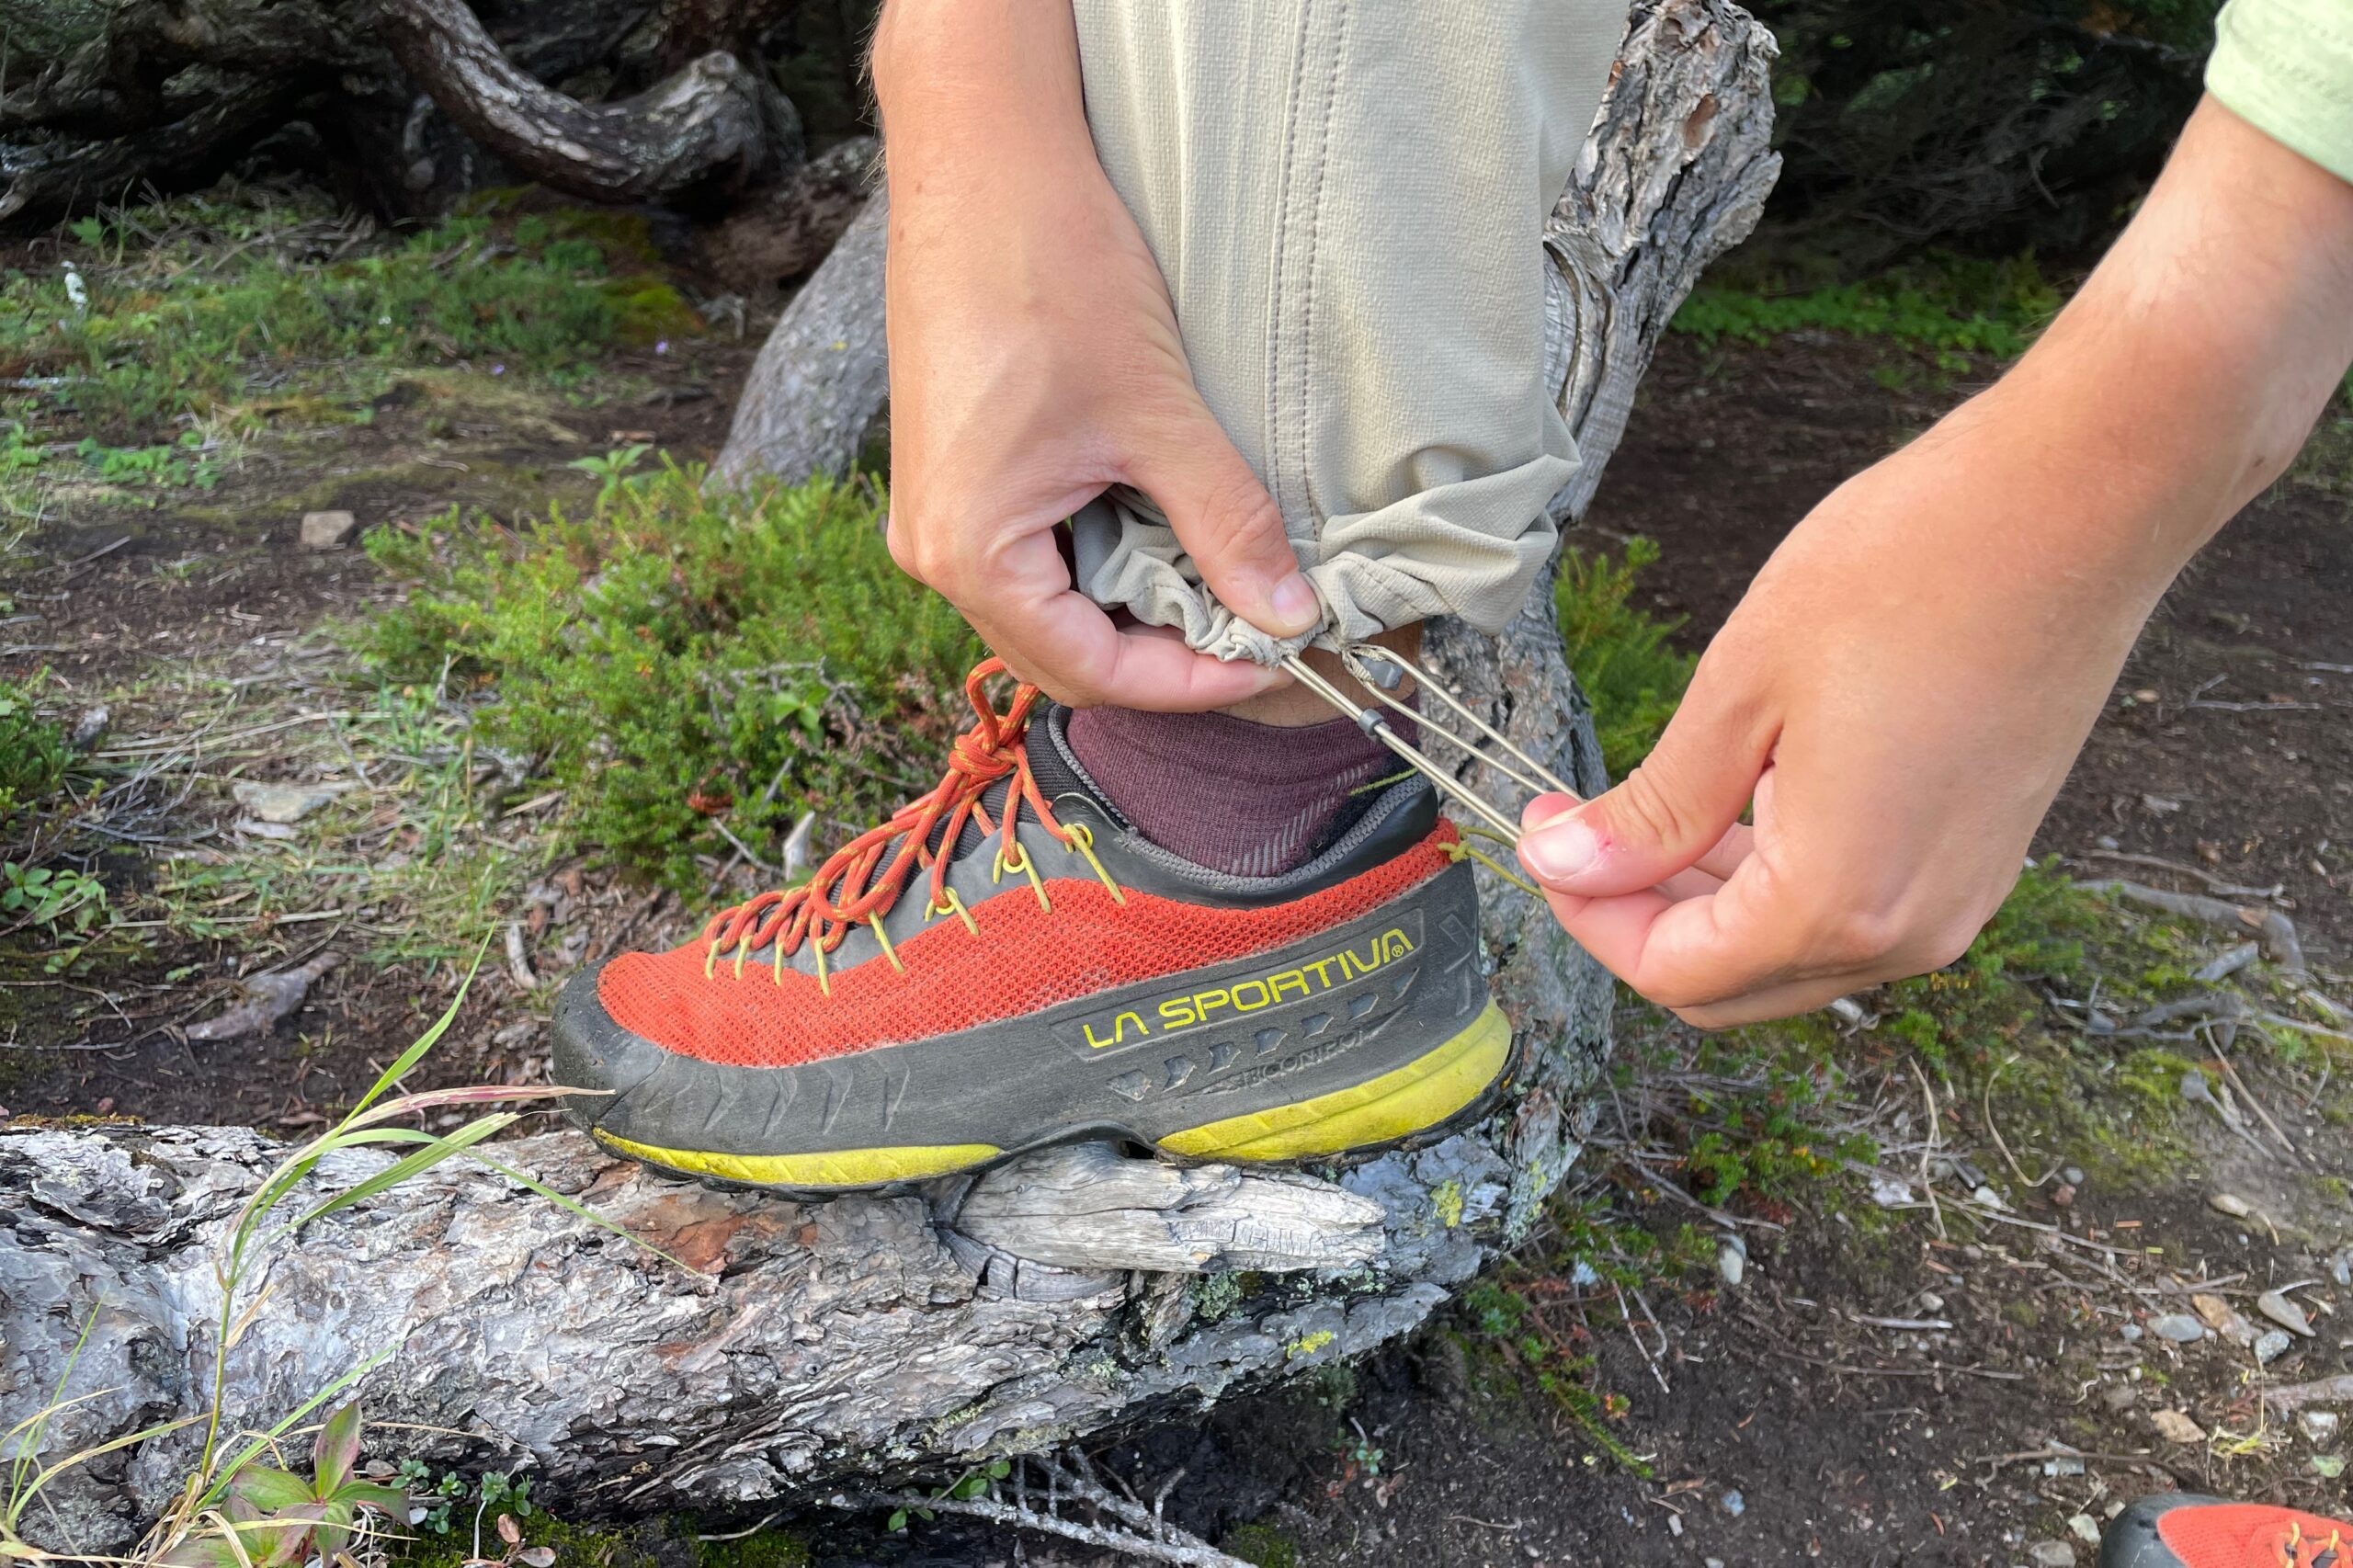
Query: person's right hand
x=1035, y=363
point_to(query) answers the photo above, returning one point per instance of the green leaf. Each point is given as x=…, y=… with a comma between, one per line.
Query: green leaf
x=971, y=1486
x=267, y=1489
x=389, y=1501
x=898, y=1521
x=337, y=1450
x=200, y=1552
x=1000, y=1469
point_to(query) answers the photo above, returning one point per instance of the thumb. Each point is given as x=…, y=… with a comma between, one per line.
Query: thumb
x=1672, y=809
x=1226, y=521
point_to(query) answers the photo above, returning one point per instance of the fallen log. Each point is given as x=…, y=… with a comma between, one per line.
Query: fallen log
x=863, y=1342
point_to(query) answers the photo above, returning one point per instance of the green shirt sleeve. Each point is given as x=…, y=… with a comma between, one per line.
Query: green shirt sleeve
x=2286, y=67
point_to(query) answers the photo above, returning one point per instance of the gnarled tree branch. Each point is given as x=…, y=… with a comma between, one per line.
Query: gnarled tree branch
x=714, y=125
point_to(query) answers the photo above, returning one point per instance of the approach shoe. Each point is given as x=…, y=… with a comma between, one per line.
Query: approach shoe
x=1007, y=963
x=2181, y=1531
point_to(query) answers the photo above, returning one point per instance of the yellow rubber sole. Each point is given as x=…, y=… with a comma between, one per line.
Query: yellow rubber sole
x=842, y=1168
x=1398, y=1104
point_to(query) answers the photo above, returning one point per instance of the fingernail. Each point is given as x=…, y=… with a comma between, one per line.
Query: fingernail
x=1560, y=850
x=1294, y=603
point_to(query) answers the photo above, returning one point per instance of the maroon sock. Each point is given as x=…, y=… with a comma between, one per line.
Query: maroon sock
x=1247, y=799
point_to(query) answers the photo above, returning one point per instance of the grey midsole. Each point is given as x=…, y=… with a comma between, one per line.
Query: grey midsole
x=1316, y=1016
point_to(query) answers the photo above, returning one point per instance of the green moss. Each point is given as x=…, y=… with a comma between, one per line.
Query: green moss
x=2024, y=1313
x=575, y=1546
x=1261, y=1544
x=767, y=1549
x=647, y=310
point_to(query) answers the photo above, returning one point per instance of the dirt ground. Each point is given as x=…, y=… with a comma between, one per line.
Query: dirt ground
x=1792, y=1417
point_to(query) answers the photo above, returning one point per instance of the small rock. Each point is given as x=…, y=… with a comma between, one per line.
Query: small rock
x=2073, y=1176
x=2271, y=1346
x=2284, y=1313
x=2229, y=1203
x=2320, y=1426
x=1890, y=1192
x=90, y=725
x=2084, y=1527
x=327, y=530
x=1931, y=1303
x=1987, y=1196
x=2063, y=1461
x=2119, y=1397
x=268, y=997
x=2064, y=1195
x=1582, y=1276
x=511, y=1035
x=2051, y=1554
x=2340, y=1266
x=2130, y=1333
x=2180, y=1327
x=2212, y=1310
x=272, y=830
x=1735, y=1503
x=1732, y=1259
x=1674, y=1525
x=283, y=802
x=2175, y=1426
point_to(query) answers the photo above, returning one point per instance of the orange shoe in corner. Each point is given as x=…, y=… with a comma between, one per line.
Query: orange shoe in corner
x=1008, y=963
x=2177, y=1530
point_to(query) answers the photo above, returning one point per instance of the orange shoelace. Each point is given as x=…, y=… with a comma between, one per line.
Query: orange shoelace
x=848, y=891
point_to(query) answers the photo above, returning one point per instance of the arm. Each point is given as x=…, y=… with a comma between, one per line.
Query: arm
x=1903, y=687
x=1035, y=362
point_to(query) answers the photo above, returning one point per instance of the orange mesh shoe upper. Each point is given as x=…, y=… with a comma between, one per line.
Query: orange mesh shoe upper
x=1024, y=958
x=2255, y=1535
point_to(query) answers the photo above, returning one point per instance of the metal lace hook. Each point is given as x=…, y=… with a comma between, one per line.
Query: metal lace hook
x=1354, y=658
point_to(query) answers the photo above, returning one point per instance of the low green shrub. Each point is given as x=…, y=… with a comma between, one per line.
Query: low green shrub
x=1631, y=673
x=199, y=307
x=34, y=755
x=1941, y=305
x=682, y=661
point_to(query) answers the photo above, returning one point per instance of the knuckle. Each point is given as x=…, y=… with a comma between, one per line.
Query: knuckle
x=1854, y=937
x=1650, y=808
x=900, y=536
x=1948, y=944
x=1238, y=520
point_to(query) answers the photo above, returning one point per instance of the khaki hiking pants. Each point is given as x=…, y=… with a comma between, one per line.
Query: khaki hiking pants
x=1348, y=199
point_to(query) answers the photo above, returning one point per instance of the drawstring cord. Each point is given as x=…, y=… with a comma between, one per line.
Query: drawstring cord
x=1360, y=659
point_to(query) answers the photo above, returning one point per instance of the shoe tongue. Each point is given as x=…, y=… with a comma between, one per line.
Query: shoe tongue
x=1050, y=764
x=1053, y=765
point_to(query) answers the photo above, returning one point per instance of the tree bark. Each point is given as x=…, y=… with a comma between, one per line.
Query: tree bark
x=866, y=1340
x=102, y=94
x=822, y=376
x=714, y=125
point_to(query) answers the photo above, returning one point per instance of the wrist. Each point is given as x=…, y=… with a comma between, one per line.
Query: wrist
x=1014, y=57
